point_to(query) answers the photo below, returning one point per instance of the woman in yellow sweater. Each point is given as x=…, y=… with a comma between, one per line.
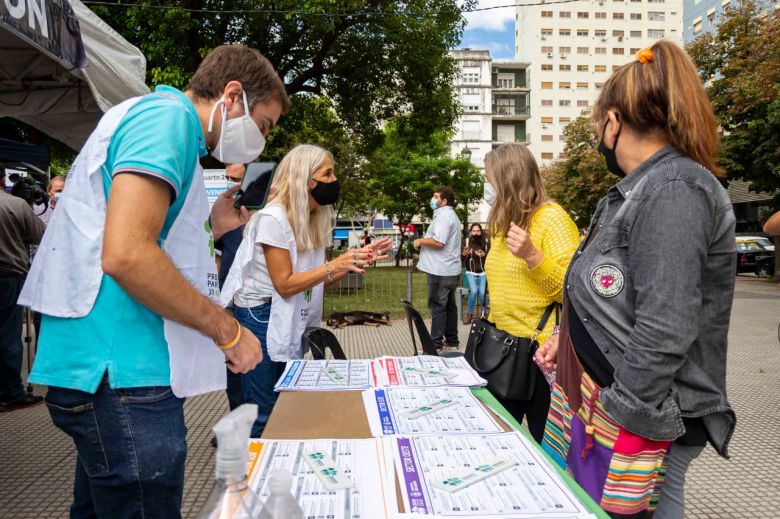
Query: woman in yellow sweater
x=533, y=240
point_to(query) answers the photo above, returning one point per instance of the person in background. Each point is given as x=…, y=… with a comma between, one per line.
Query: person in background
x=532, y=240
x=365, y=239
x=641, y=357
x=474, y=254
x=55, y=187
x=133, y=328
x=19, y=229
x=440, y=250
x=275, y=284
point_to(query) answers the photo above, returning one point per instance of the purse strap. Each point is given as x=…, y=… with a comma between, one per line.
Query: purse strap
x=545, y=317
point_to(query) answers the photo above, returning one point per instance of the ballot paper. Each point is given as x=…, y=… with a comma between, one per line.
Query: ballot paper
x=416, y=411
x=327, y=375
x=426, y=371
x=357, y=486
x=520, y=483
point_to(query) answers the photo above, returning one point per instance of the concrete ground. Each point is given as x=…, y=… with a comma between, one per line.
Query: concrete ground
x=37, y=460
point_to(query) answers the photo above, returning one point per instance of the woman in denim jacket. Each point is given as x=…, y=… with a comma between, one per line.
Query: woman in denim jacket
x=641, y=356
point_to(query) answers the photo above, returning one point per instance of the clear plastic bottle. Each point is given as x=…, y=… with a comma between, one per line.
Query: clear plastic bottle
x=281, y=504
x=231, y=498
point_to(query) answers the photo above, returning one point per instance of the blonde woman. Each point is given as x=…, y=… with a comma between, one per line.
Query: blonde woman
x=276, y=283
x=532, y=241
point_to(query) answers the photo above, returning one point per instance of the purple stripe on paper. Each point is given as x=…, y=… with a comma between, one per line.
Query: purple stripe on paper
x=411, y=482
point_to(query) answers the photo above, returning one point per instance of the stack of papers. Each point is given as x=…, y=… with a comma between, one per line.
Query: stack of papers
x=427, y=371
x=327, y=375
x=478, y=475
x=418, y=411
x=332, y=479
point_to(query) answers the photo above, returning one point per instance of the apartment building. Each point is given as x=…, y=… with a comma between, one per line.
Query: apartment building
x=495, y=104
x=572, y=49
x=700, y=16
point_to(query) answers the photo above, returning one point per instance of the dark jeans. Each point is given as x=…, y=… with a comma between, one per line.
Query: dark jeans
x=235, y=389
x=131, y=446
x=259, y=383
x=11, y=352
x=444, y=313
x=534, y=410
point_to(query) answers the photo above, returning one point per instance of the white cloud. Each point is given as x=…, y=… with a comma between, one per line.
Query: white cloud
x=492, y=20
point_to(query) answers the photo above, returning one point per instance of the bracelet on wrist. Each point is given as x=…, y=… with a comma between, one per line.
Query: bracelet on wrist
x=231, y=343
x=328, y=272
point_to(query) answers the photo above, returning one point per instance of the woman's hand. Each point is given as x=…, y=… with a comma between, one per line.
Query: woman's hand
x=519, y=243
x=355, y=259
x=547, y=354
x=466, y=251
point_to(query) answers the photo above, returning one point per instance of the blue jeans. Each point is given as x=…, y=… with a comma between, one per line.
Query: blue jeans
x=11, y=352
x=131, y=445
x=477, y=286
x=259, y=383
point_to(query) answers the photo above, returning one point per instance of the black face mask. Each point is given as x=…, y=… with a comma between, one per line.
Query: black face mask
x=609, y=154
x=326, y=193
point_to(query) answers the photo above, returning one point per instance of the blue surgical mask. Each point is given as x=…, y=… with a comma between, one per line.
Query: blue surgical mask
x=434, y=204
x=230, y=184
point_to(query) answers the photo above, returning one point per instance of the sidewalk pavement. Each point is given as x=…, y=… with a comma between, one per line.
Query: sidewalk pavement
x=37, y=461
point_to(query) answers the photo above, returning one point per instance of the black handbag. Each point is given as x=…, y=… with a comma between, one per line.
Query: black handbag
x=506, y=361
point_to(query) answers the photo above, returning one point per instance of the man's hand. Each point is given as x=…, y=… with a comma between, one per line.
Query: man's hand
x=416, y=244
x=547, y=354
x=519, y=243
x=244, y=356
x=225, y=217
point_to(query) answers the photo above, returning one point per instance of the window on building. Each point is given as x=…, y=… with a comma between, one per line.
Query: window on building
x=505, y=80
x=598, y=86
x=547, y=120
x=547, y=49
x=547, y=66
x=564, y=68
x=582, y=103
x=470, y=77
x=583, y=32
x=618, y=34
x=599, y=68
x=582, y=68
x=563, y=155
x=711, y=15
x=564, y=102
x=547, y=138
x=564, y=50
x=656, y=1
x=547, y=102
x=618, y=16
x=565, y=14
x=636, y=1
x=582, y=85
x=547, y=14
x=547, y=33
x=601, y=50
x=564, y=120
x=655, y=33
x=505, y=133
x=583, y=15
x=618, y=51
x=582, y=50
x=656, y=16
x=600, y=33
x=725, y=3
x=636, y=16
x=601, y=16
x=634, y=50
x=564, y=32
x=547, y=85
x=471, y=108
x=636, y=34
x=696, y=26
x=565, y=85
x=547, y=155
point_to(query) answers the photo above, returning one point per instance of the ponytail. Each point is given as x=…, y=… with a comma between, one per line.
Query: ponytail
x=662, y=92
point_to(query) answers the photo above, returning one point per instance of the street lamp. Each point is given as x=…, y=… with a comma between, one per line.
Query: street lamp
x=466, y=153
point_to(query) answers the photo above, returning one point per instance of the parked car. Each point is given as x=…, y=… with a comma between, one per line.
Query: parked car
x=748, y=250
x=764, y=241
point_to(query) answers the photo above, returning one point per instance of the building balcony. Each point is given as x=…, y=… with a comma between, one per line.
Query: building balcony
x=518, y=113
x=521, y=139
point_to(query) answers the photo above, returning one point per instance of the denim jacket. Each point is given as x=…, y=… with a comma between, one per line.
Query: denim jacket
x=654, y=289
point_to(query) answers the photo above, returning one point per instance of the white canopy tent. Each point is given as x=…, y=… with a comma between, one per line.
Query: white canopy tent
x=61, y=67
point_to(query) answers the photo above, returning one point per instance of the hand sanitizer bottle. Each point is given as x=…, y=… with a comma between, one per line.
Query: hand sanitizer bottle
x=281, y=504
x=231, y=498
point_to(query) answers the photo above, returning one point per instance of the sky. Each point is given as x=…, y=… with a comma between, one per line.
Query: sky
x=492, y=30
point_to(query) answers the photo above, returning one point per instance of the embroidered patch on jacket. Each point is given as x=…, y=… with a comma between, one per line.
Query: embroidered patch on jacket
x=607, y=280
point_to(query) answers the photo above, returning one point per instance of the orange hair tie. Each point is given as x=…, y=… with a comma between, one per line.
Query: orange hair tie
x=644, y=56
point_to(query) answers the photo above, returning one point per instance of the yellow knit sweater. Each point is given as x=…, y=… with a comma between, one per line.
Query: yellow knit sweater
x=519, y=295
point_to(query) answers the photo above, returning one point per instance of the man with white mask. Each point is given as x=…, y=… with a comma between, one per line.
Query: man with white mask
x=132, y=329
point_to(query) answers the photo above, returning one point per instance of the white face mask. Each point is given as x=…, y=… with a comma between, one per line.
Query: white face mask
x=230, y=184
x=490, y=194
x=57, y=196
x=240, y=140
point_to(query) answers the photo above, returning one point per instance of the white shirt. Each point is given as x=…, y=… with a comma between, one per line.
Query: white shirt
x=255, y=280
x=445, y=228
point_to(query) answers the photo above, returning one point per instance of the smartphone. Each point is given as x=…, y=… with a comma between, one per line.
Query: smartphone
x=256, y=185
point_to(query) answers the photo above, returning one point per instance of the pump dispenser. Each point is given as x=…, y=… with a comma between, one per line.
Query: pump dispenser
x=231, y=498
x=280, y=503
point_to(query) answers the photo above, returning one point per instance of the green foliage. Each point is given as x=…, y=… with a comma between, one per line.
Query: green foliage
x=405, y=171
x=741, y=67
x=580, y=180
x=373, y=66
